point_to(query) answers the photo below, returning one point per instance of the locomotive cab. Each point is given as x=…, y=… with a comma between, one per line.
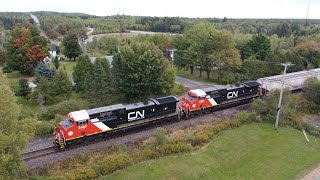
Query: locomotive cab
x=72, y=127
x=196, y=100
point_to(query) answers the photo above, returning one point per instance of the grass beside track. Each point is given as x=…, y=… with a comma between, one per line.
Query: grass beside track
x=253, y=151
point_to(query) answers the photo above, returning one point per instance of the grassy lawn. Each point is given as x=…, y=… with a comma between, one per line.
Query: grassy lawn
x=186, y=74
x=69, y=67
x=253, y=151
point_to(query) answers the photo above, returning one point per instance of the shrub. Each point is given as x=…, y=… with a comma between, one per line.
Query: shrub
x=112, y=163
x=173, y=148
x=64, y=107
x=44, y=128
x=23, y=89
x=13, y=74
x=82, y=174
x=145, y=154
x=201, y=137
x=160, y=136
x=178, y=89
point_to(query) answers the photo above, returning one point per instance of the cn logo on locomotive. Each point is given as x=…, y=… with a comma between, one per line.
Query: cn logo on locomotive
x=232, y=94
x=135, y=115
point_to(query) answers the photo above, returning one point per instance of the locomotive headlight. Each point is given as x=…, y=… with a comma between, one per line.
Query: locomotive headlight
x=194, y=105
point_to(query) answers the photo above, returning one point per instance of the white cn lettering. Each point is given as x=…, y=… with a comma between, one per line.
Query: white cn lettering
x=232, y=94
x=135, y=115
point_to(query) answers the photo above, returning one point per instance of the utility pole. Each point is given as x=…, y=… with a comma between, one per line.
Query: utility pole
x=307, y=13
x=172, y=56
x=281, y=92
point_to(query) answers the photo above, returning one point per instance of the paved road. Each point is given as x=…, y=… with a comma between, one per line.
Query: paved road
x=191, y=84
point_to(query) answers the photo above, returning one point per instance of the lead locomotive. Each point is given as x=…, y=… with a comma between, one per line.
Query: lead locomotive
x=92, y=124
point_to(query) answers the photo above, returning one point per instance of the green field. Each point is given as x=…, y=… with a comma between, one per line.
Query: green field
x=69, y=67
x=253, y=151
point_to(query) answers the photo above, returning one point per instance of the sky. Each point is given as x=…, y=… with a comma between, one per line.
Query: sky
x=182, y=8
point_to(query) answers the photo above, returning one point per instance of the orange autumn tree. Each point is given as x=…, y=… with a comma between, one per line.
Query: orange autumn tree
x=36, y=54
x=310, y=51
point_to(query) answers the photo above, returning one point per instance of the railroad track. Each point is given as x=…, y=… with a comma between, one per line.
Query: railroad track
x=51, y=150
x=38, y=153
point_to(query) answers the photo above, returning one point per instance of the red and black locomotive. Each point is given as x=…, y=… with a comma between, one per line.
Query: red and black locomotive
x=91, y=124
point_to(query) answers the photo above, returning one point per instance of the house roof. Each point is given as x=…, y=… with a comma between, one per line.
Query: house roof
x=53, y=47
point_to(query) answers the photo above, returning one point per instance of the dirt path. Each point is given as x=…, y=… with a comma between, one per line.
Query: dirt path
x=191, y=84
x=313, y=175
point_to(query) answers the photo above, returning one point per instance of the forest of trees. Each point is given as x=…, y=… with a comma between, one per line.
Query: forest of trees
x=59, y=23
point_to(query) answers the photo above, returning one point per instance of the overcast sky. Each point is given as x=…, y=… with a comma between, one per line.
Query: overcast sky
x=182, y=8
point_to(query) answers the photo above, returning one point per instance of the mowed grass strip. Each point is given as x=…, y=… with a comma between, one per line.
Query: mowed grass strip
x=253, y=151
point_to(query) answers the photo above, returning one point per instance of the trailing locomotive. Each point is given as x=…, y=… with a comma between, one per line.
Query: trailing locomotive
x=91, y=124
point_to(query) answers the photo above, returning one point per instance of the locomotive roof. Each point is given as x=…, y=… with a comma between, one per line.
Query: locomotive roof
x=79, y=115
x=105, y=109
x=251, y=83
x=198, y=92
x=245, y=84
x=165, y=100
x=139, y=105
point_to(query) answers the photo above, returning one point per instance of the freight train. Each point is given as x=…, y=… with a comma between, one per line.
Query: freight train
x=102, y=122
x=92, y=124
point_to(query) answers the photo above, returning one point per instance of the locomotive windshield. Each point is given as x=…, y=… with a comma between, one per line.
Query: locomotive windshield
x=66, y=123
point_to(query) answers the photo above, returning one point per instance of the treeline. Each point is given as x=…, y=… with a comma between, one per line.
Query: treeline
x=8, y=20
x=233, y=57
x=123, y=23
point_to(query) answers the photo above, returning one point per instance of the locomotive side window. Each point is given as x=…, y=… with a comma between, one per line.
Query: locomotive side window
x=79, y=123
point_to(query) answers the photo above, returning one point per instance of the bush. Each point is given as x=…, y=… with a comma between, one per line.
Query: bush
x=12, y=74
x=228, y=78
x=173, y=148
x=82, y=174
x=160, y=136
x=201, y=137
x=145, y=154
x=6, y=68
x=178, y=89
x=64, y=107
x=113, y=163
x=44, y=128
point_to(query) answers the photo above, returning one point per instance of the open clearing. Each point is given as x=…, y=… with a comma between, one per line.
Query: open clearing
x=253, y=151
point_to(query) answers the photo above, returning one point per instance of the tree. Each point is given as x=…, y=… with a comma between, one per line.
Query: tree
x=72, y=48
x=253, y=69
x=82, y=71
x=14, y=134
x=182, y=58
x=45, y=89
x=25, y=49
x=61, y=84
x=3, y=55
x=140, y=71
x=56, y=62
x=99, y=88
x=260, y=46
x=310, y=51
x=266, y=107
x=43, y=70
x=312, y=89
x=24, y=88
x=211, y=48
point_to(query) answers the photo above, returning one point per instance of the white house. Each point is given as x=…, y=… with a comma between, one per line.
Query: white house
x=53, y=50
